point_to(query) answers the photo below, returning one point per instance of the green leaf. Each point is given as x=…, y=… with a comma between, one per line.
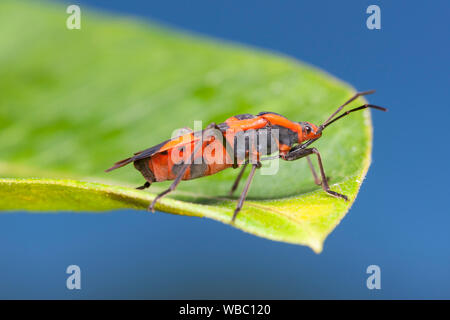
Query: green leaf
x=73, y=102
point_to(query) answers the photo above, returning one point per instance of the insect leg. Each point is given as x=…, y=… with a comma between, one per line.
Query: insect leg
x=146, y=185
x=182, y=170
x=316, y=178
x=244, y=193
x=313, y=171
x=241, y=173
x=170, y=189
x=301, y=153
x=238, y=178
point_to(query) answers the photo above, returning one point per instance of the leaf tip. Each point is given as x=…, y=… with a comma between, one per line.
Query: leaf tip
x=316, y=246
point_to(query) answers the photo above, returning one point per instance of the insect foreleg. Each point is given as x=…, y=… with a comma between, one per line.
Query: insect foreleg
x=301, y=153
x=314, y=173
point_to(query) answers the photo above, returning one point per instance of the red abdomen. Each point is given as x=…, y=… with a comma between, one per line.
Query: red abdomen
x=166, y=165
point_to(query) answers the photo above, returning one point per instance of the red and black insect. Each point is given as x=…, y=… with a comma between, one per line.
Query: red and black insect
x=240, y=141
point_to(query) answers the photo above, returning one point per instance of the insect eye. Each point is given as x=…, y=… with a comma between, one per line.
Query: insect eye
x=308, y=130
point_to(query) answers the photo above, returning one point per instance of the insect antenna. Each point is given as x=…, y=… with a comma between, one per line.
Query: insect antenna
x=353, y=110
x=357, y=95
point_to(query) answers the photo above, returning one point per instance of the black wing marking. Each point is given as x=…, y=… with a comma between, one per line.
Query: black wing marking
x=245, y=116
x=269, y=112
x=138, y=156
x=149, y=152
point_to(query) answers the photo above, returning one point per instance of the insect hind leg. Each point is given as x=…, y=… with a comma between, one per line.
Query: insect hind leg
x=144, y=186
x=183, y=169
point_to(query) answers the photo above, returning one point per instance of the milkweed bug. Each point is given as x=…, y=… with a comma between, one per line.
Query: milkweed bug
x=291, y=139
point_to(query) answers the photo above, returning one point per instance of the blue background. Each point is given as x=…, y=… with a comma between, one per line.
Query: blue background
x=400, y=220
